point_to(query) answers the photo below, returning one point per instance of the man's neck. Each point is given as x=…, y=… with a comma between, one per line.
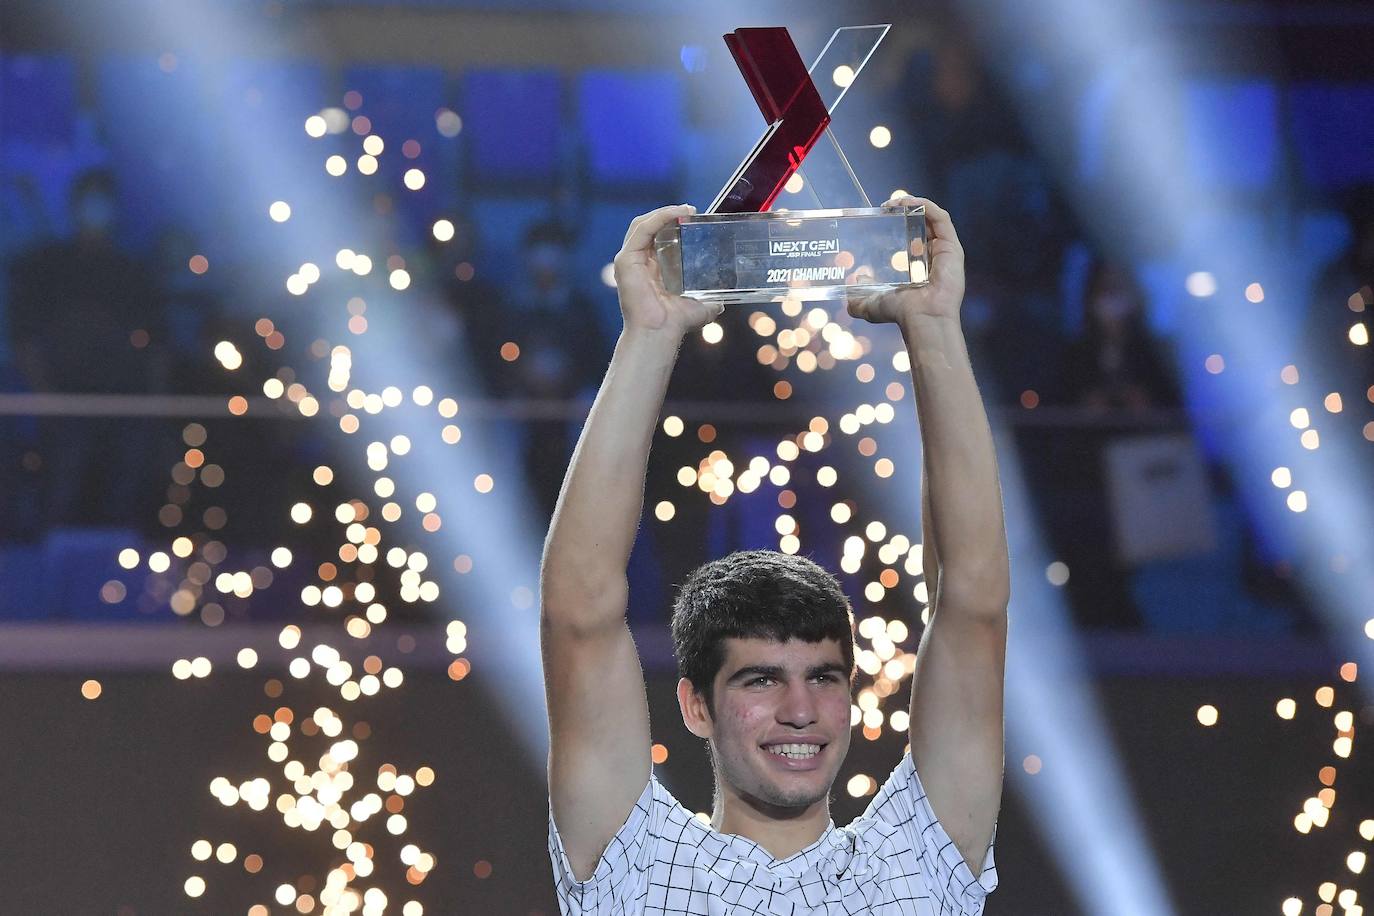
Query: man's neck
x=782, y=832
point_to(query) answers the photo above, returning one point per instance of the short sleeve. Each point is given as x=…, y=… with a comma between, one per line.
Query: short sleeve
x=620, y=882
x=902, y=802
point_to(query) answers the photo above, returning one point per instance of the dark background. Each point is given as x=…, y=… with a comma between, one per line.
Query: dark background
x=136, y=136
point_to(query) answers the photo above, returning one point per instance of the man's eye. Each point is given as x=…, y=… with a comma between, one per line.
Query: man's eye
x=760, y=679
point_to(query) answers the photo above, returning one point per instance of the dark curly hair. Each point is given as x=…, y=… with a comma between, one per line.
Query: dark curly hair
x=760, y=594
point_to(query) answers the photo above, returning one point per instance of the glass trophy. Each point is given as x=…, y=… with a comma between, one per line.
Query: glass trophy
x=839, y=245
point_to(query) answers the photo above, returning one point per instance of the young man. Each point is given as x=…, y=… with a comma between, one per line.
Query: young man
x=765, y=646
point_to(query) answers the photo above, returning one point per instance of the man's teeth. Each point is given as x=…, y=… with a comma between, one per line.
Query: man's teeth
x=796, y=751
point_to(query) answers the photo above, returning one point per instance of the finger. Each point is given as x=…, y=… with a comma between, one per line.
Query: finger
x=713, y=309
x=634, y=222
x=697, y=313
x=860, y=307
x=938, y=219
x=640, y=236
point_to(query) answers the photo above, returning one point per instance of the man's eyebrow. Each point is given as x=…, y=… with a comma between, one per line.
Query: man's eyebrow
x=757, y=671
x=776, y=671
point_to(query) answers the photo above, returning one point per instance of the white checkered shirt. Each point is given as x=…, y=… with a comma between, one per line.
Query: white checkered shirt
x=895, y=858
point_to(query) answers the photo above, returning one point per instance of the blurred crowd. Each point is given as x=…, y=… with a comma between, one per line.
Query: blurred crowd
x=1053, y=321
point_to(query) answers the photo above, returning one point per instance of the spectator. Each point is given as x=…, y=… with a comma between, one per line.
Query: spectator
x=194, y=320
x=962, y=117
x=977, y=159
x=1344, y=296
x=81, y=310
x=476, y=303
x=85, y=318
x=24, y=219
x=1117, y=363
x=1117, y=366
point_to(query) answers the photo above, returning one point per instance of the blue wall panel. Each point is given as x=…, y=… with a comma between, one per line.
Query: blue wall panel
x=1232, y=131
x=514, y=123
x=632, y=126
x=163, y=144
x=1333, y=132
x=402, y=103
x=37, y=98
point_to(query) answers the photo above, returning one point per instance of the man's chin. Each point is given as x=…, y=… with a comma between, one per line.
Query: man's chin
x=793, y=798
x=782, y=795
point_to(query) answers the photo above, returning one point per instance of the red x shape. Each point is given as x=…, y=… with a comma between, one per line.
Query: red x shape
x=792, y=108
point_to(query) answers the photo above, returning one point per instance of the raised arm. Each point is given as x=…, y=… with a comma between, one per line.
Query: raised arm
x=956, y=692
x=598, y=715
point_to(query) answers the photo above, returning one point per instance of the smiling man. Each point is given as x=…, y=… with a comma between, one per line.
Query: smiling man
x=765, y=648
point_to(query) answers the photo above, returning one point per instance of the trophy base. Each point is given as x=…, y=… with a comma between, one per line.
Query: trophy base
x=804, y=255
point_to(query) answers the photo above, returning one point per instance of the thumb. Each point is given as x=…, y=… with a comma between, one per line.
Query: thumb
x=709, y=310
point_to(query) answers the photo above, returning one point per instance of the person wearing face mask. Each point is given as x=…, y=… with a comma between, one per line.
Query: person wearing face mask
x=1117, y=363
x=85, y=318
x=1115, y=370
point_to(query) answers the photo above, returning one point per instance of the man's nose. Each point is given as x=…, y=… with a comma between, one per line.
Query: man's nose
x=798, y=706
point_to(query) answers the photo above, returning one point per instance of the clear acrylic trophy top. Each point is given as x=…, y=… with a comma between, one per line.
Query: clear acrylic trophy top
x=827, y=179
x=754, y=244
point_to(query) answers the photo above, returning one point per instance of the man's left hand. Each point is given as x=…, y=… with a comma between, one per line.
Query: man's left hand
x=942, y=296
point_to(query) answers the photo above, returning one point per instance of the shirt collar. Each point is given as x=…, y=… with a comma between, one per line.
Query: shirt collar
x=800, y=862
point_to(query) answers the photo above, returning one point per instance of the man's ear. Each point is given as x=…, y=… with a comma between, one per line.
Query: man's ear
x=696, y=715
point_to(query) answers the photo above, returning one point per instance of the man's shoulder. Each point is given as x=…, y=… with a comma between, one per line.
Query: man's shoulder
x=670, y=815
x=658, y=829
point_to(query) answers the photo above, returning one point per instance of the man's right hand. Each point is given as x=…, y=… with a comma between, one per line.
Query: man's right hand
x=644, y=303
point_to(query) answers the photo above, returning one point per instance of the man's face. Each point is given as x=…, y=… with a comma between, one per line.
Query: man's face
x=781, y=725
